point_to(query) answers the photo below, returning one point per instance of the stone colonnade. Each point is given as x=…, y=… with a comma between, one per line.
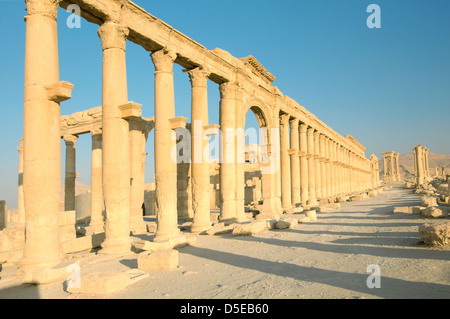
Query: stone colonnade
x=421, y=166
x=391, y=171
x=306, y=161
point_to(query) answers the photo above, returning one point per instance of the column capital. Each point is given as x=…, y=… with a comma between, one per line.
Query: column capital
x=284, y=119
x=303, y=128
x=70, y=139
x=294, y=122
x=310, y=131
x=228, y=90
x=198, y=76
x=96, y=131
x=113, y=35
x=163, y=60
x=44, y=7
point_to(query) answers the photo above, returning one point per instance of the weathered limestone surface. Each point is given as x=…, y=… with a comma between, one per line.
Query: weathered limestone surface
x=249, y=229
x=434, y=212
x=435, y=234
x=158, y=260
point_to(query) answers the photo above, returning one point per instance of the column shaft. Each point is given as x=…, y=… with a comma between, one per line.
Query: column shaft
x=199, y=149
x=42, y=139
x=165, y=165
x=285, y=163
x=295, y=163
x=96, y=224
x=116, y=158
x=304, y=165
x=70, y=172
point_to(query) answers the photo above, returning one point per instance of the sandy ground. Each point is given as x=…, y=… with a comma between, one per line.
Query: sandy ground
x=325, y=259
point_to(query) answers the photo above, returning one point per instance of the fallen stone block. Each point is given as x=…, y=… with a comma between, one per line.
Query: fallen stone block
x=428, y=201
x=286, y=223
x=83, y=243
x=435, y=234
x=249, y=229
x=297, y=210
x=175, y=242
x=311, y=214
x=265, y=216
x=158, y=260
x=403, y=210
x=304, y=220
x=103, y=283
x=271, y=224
x=434, y=212
x=417, y=210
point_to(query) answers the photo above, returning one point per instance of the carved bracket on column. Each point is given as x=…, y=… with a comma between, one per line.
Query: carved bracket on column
x=292, y=152
x=60, y=91
x=178, y=122
x=301, y=154
x=309, y=156
x=212, y=129
x=130, y=110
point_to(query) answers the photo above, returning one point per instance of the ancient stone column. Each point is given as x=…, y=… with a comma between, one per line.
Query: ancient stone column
x=323, y=181
x=418, y=150
x=96, y=224
x=391, y=165
x=328, y=167
x=240, y=156
x=295, y=162
x=165, y=166
x=116, y=158
x=304, y=165
x=332, y=168
x=285, y=163
x=138, y=132
x=397, y=168
x=317, y=164
x=43, y=93
x=20, y=198
x=199, y=149
x=385, y=165
x=70, y=172
x=227, y=120
x=312, y=199
x=426, y=162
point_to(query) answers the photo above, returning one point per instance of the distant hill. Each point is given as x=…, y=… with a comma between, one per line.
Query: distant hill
x=406, y=164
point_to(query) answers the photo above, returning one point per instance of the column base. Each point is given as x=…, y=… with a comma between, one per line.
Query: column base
x=166, y=235
x=113, y=247
x=200, y=227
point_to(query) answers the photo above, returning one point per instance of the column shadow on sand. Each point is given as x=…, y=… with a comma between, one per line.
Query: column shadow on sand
x=390, y=287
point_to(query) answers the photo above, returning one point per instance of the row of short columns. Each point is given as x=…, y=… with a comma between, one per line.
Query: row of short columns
x=315, y=167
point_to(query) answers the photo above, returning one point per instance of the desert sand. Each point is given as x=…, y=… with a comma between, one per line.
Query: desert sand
x=327, y=259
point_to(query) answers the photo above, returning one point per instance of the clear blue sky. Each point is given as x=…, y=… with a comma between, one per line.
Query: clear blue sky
x=388, y=87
